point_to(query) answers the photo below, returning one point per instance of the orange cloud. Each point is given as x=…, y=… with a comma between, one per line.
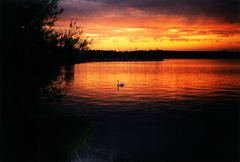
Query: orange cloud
x=131, y=27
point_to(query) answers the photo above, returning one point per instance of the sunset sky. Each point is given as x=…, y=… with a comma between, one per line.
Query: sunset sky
x=156, y=24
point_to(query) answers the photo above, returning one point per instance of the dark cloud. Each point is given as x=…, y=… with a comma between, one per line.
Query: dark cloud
x=221, y=10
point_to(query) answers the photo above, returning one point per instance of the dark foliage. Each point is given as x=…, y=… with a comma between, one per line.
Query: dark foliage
x=22, y=27
x=29, y=62
x=69, y=42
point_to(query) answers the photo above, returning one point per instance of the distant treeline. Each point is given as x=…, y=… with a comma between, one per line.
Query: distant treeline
x=201, y=54
x=100, y=55
x=151, y=55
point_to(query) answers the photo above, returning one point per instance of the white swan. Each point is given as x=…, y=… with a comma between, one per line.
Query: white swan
x=119, y=84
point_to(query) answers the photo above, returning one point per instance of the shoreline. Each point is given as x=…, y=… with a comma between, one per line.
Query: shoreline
x=156, y=55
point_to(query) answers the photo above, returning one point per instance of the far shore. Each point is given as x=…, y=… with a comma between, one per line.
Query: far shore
x=151, y=55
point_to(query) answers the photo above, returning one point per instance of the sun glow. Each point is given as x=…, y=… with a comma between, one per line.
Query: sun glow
x=173, y=30
x=124, y=27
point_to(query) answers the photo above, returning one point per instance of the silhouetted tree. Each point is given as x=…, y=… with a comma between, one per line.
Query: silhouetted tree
x=69, y=41
x=71, y=38
x=31, y=37
x=24, y=20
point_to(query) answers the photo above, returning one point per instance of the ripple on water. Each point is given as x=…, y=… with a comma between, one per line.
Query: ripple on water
x=172, y=83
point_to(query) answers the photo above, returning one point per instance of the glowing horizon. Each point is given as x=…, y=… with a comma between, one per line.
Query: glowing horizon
x=149, y=25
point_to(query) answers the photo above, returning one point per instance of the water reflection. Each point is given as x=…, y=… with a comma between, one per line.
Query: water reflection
x=60, y=136
x=84, y=116
x=56, y=89
x=34, y=128
x=154, y=83
x=151, y=118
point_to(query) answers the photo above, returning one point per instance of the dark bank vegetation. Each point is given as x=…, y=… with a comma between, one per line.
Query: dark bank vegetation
x=29, y=38
x=33, y=50
x=32, y=55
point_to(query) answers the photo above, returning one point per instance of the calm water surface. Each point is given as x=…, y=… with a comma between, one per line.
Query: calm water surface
x=172, y=110
x=163, y=84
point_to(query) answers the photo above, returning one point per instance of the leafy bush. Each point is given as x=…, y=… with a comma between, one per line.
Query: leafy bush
x=71, y=38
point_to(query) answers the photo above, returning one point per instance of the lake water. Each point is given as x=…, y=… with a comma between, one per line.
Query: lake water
x=171, y=110
x=171, y=84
